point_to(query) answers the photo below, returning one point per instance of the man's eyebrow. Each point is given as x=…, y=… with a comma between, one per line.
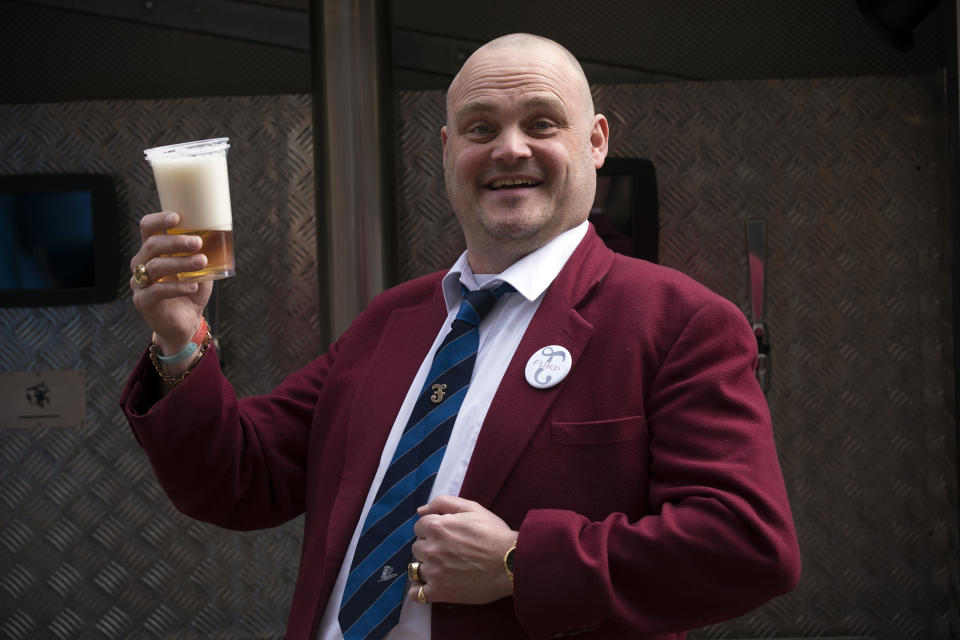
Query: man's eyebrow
x=472, y=108
x=475, y=107
x=544, y=102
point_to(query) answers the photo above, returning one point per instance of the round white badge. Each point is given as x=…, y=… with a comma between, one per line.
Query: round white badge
x=548, y=366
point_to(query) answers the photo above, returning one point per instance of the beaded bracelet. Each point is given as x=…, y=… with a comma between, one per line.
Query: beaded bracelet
x=170, y=380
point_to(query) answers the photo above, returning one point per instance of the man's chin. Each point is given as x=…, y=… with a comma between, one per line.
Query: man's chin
x=511, y=228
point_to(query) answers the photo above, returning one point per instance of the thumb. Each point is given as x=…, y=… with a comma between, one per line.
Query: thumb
x=442, y=505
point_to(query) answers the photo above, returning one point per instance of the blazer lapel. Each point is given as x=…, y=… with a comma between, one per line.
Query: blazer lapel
x=400, y=351
x=518, y=409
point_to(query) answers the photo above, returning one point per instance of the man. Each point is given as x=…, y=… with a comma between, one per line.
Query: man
x=611, y=469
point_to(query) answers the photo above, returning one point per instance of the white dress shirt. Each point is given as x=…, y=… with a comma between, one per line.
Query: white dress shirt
x=500, y=333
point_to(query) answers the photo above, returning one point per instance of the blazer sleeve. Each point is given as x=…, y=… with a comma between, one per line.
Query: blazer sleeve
x=719, y=538
x=239, y=464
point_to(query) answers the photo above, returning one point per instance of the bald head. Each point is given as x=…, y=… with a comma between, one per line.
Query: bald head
x=522, y=40
x=526, y=46
x=520, y=148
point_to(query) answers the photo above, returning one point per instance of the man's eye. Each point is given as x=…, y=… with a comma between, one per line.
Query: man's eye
x=542, y=125
x=480, y=130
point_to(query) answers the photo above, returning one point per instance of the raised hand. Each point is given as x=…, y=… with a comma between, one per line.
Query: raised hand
x=171, y=308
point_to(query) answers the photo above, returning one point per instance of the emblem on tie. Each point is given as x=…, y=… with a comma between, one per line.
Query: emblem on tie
x=439, y=390
x=387, y=574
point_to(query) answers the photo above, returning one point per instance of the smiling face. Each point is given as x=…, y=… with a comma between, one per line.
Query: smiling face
x=520, y=149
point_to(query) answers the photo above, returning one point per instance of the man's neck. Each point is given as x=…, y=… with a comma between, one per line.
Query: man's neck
x=497, y=256
x=484, y=263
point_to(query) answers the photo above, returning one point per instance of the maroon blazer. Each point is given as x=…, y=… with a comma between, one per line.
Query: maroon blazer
x=645, y=486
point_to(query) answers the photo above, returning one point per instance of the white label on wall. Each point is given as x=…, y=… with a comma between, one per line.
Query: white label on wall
x=42, y=399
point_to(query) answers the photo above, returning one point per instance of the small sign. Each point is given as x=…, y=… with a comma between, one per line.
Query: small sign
x=42, y=399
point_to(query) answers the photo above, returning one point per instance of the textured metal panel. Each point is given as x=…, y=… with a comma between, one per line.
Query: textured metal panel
x=858, y=310
x=428, y=234
x=849, y=174
x=356, y=208
x=89, y=545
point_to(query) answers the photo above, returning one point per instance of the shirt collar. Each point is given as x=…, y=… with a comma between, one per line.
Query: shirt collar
x=530, y=275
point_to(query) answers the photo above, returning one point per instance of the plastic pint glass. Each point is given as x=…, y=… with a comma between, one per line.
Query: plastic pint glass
x=192, y=180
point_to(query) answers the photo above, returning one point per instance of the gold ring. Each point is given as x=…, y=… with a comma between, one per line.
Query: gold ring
x=140, y=275
x=413, y=572
x=422, y=599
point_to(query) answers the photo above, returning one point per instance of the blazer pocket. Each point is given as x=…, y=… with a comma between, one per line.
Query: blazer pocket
x=599, y=432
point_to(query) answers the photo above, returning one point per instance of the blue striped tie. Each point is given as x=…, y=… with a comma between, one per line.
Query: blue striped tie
x=376, y=585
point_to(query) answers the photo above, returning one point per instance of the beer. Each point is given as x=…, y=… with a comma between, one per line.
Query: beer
x=192, y=180
x=218, y=247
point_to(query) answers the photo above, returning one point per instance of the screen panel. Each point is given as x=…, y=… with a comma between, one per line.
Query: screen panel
x=58, y=240
x=625, y=212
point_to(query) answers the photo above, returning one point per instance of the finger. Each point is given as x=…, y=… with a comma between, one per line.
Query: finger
x=418, y=574
x=165, y=245
x=160, y=268
x=447, y=504
x=422, y=525
x=418, y=550
x=422, y=574
x=166, y=269
x=156, y=292
x=154, y=223
x=413, y=592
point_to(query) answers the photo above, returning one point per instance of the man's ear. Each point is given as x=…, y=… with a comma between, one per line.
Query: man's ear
x=599, y=139
x=443, y=141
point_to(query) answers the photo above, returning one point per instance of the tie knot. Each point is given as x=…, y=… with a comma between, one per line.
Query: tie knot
x=477, y=304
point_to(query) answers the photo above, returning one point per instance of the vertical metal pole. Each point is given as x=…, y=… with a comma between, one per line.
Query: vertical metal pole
x=352, y=84
x=952, y=55
x=318, y=90
x=952, y=64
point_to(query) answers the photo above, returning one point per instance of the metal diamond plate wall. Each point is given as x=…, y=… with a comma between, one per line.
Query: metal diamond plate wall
x=89, y=545
x=849, y=174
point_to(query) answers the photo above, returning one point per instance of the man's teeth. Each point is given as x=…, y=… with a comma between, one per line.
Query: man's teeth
x=513, y=182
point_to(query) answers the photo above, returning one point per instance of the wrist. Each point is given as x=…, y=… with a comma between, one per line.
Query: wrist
x=177, y=351
x=173, y=368
x=168, y=346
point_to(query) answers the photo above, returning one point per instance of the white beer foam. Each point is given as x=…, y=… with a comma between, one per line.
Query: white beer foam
x=197, y=188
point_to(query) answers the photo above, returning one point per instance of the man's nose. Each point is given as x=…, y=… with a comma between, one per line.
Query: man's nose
x=512, y=144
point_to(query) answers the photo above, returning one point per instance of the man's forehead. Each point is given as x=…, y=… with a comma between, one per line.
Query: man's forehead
x=487, y=106
x=521, y=68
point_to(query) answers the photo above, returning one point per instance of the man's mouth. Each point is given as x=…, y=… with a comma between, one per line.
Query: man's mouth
x=513, y=183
